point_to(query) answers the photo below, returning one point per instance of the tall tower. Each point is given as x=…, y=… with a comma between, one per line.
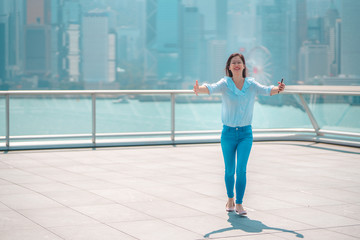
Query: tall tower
x=275, y=35
x=221, y=19
x=191, y=47
x=150, y=64
x=38, y=40
x=350, y=37
x=71, y=42
x=95, y=47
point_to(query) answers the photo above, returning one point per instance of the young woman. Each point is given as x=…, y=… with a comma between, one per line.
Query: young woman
x=238, y=98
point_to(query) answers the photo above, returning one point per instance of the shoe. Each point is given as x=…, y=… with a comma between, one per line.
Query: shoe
x=242, y=213
x=232, y=209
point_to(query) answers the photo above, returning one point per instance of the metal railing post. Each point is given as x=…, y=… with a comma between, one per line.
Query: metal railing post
x=172, y=118
x=310, y=115
x=93, y=100
x=7, y=120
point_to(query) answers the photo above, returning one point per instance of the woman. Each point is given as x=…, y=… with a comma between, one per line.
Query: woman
x=238, y=98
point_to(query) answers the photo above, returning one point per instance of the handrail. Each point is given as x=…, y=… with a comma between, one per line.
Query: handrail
x=290, y=89
x=296, y=133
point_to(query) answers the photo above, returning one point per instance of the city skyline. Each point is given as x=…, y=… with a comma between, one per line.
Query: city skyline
x=168, y=44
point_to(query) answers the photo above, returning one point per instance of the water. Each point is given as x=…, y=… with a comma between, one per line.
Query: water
x=42, y=116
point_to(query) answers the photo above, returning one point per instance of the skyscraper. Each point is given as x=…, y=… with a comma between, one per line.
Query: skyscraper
x=167, y=39
x=95, y=47
x=313, y=61
x=70, y=52
x=274, y=19
x=191, y=47
x=150, y=58
x=38, y=41
x=350, y=38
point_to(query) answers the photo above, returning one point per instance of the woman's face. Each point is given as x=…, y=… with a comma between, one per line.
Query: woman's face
x=236, y=66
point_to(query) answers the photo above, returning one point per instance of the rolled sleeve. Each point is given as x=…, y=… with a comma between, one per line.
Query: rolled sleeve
x=215, y=87
x=263, y=90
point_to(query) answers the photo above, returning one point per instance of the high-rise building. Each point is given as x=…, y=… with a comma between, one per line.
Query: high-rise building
x=70, y=52
x=216, y=60
x=350, y=38
x=274, y=20
x=38, y=40
x=191, y=36
x=4, y=11
x=221, y=19
x=150, y=58
x=167, y=39
x=313, y=61
x=299, y=34
x=95, y=42
x=330, y=21
x=12, y=13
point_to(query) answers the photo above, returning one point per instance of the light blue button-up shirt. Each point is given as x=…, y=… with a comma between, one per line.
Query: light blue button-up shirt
x=238, y=105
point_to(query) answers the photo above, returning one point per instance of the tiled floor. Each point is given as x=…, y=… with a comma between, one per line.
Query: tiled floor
x=295, y=190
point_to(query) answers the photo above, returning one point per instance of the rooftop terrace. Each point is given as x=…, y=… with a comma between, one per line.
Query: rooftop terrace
x=296, y=190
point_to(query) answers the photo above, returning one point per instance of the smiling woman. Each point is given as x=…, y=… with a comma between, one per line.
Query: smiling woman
x=238, y=100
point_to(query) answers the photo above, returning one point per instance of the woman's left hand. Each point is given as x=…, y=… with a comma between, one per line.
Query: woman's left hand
x=281, y=87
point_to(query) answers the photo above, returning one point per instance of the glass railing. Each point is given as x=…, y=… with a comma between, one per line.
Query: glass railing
x=57, y=119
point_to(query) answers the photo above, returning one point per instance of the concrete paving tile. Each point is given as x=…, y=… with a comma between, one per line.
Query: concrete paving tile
x=33, y=201
x=155, y=230
x=77, y=198
x=81, y=168
x=12, y=221
x=3, y=207
x=253, y=237
x=272, y=223
x=353, y=231
x=123, y=195
x=19, y=176
x=206, y=204
x=207, y=189
x=13, y=189
x=90, y=232
x=52, y=186
x=173, y=179
x=57, y=217
x=164, y=209
x=316, y=217
x=93, y=184
x=266, y=202
x=68, y=177
x=114, y=213
x=316, y=234
x=170, y=192
x=353, y=189
x=28, y=234
x=340, y=195
x=346, y=210
x=304, y=198
x=23, y=163
x=215, y=227
x=139, y=183
x=112, y=177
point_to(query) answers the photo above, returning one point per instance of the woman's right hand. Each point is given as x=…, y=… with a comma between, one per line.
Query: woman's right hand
x=196, y=88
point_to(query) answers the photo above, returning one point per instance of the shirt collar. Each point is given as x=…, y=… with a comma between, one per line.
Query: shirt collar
x=231, y=85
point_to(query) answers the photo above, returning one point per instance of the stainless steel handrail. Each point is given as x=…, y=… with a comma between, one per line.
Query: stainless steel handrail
x=293, y=90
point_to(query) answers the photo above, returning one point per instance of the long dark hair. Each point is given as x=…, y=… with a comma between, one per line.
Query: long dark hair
x=228, y=72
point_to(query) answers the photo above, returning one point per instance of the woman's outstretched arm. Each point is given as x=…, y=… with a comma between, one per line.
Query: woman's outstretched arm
x=277, y=89
x=200, y=89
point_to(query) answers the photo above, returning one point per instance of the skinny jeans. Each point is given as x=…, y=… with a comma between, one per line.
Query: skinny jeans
x=236, y=143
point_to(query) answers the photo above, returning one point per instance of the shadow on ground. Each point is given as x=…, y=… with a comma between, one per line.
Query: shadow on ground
x=248, y=225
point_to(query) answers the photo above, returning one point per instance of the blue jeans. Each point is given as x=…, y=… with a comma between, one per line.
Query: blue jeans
x=236, y=141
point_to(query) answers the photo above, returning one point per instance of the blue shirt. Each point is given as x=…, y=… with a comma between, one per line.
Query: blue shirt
x=238, y=105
